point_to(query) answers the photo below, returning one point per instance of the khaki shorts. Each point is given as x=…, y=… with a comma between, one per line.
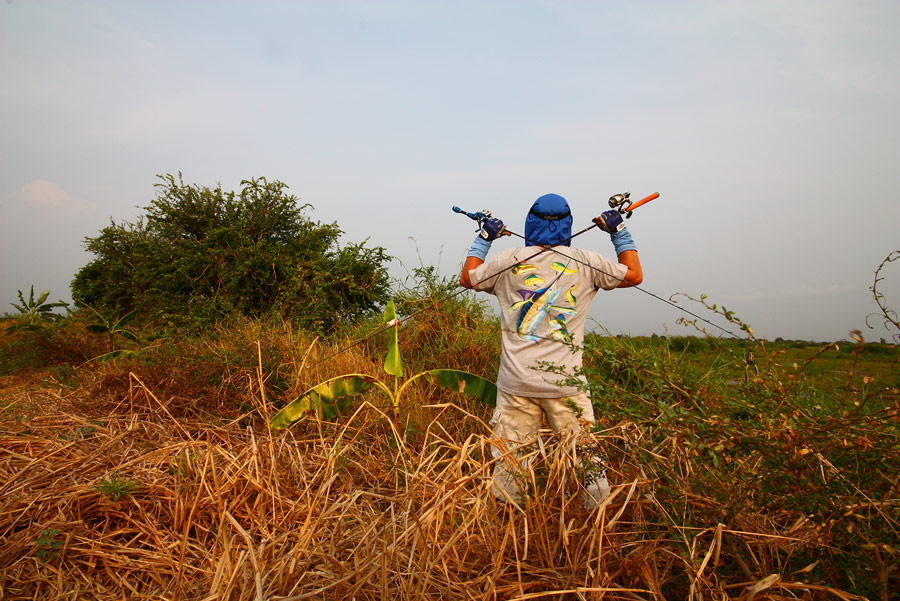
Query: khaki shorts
x=516, y=422
x=518, y=418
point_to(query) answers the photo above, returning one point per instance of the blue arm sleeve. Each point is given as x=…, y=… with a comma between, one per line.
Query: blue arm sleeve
x=480, y=248
x=623, y=241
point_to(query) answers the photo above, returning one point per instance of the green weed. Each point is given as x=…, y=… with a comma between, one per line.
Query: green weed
x=804, y=433
x=117, y=487
x=79, y=433
x=47, y=544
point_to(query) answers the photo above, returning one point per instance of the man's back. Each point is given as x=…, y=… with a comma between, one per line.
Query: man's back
x=544, y=298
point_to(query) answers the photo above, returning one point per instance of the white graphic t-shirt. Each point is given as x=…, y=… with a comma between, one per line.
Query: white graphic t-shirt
x=544, y=301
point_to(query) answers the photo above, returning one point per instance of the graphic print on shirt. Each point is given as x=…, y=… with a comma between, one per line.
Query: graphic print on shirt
x=540, y=302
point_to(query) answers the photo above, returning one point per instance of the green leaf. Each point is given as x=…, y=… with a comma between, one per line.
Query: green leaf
x=47, y=308
x=111, y=355
x=99, y=317
x=466, y=383
x=392, y=363
x=125, y=320
x=130, y=336
x=22, y=326
x=328, y=398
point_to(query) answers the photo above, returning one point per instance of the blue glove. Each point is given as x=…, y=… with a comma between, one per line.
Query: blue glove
x=492, y=229
x=610, y=222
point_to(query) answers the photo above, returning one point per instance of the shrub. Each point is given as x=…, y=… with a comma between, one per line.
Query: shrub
x=451, y=328
x=724, y=443
x=199, y=254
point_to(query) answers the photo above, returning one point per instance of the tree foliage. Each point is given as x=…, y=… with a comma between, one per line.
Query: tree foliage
x=199, y=254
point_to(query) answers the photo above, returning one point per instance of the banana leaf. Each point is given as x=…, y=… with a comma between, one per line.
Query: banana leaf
x=392, y=363
x=121, y=323
x=328, y=398
x=112, y=355
x=459, y=381
x=335, y=395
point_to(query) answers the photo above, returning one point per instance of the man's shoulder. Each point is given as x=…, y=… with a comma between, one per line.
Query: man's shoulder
x=592, y=256
x=537, y=254
x=510, y=256
x=586, y=251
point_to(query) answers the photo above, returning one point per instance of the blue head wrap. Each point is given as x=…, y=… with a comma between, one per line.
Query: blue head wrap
x=549, y=222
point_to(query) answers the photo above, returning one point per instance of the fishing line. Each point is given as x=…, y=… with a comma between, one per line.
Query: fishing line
x=399, y=321
x=667, y=301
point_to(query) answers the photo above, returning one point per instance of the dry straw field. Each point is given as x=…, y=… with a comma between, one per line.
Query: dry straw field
x=131, y=495
x=155, y=476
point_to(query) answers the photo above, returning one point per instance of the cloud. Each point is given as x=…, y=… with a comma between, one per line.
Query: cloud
x=53, y=202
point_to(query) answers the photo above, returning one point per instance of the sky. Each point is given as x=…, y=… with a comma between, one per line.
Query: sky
x=769, y=129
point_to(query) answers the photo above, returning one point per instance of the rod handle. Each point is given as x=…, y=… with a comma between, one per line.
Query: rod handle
x=642, y=201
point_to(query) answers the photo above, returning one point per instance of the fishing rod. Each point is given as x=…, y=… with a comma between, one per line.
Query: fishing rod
x=620, y=203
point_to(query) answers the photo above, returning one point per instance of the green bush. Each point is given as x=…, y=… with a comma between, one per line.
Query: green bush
x=450, y=328
x=690, y=344
x=64, y=343
x=876, y=348
x=199, y=254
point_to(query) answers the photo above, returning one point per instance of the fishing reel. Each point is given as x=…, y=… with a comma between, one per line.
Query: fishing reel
x=621, y=203
x=479, y=216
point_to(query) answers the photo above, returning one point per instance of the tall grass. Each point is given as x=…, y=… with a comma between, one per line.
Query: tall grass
x=760, y=449
x=730, y=480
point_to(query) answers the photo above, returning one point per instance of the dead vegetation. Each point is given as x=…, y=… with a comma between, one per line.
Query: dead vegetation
x=116, y=497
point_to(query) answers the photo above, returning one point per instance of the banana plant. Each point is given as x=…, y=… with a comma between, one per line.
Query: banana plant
x=34, y=311
x=332, y=396
x=112, y=329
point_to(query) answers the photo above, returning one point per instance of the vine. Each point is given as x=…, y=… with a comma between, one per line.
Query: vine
x=888, y=316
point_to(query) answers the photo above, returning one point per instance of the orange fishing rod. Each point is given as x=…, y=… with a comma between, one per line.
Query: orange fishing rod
x=623, y=204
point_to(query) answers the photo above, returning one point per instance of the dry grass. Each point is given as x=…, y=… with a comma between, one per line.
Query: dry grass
x=355, y=510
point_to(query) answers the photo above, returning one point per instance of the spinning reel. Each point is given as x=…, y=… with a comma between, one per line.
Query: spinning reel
x=623, y=204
